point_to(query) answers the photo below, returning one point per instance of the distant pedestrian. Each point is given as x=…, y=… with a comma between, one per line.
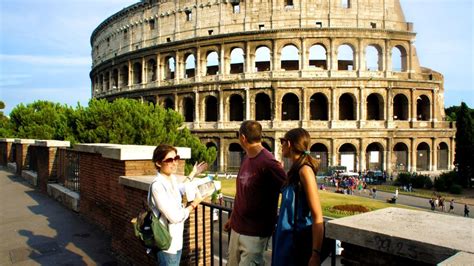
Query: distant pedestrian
x=441, y=204
x=451, y=205
x=374, y=192
x=432, y=203
x=466, y=210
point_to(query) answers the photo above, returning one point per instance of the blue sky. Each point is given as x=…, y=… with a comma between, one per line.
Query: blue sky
x=45, y=49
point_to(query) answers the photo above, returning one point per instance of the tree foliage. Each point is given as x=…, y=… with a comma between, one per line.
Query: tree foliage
x=123, y=121
x=464, y=158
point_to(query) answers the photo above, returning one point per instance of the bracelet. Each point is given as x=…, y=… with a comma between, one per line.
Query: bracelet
x=317, y=251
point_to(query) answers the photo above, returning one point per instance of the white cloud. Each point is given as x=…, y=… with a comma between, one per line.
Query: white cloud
x=47, y=60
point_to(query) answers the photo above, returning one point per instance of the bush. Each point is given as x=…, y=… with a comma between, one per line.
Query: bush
x=403, y=179
x=428, y=183
x=455, y=189
x=440, y=184
x=418, y=181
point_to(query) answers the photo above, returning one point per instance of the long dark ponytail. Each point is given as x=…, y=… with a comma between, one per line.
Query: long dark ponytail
x=300, y=139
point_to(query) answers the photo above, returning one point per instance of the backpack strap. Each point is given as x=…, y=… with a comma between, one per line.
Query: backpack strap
x=149, y=203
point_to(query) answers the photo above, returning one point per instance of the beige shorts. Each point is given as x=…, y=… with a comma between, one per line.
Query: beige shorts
x=246, y=250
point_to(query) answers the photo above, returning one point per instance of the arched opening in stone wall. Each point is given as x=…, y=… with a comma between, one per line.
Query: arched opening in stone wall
x=137, y=73
x=375, y=104
x=236, y=108
x=320, y=152
x=214, y=167
x=106, y=81
x=347, y=107
x=151, y=70
x=190, y=66
x=236, y=153
x=169, y=103
x=373, y=58
x=400, y=152
x=237, y=61
x=263, y=107
x=100, y=84
x=212, y=63
x=400, y=107
x=170, y=67
x=290, y=58
x=150, y=99
x=374, y=157
x=188, y=109
x=423, y=108
x=347, y=157
x=317, y=57
x=262, y=59
x=267, y=146
x=290, y=109
x=345, y=57
x=318, y=105
x=443, y=156
x=399, y=59
x=212, y=109
x=423, y=157
x=124, y=76
x=115, y=79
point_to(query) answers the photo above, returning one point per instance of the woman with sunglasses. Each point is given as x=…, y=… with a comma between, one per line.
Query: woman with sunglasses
x=299, y=234
x=166, y=200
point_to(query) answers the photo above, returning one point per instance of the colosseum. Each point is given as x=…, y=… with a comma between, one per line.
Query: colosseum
x=345, y=70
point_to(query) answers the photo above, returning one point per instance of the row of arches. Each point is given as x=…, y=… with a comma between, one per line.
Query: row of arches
x=291, y=105
x=291, y=58
x=348, y=156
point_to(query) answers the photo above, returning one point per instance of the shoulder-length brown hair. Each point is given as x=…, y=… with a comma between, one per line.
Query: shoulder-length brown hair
x=300, y=139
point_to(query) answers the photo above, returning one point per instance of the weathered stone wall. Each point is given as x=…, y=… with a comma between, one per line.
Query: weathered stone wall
x=144, y=52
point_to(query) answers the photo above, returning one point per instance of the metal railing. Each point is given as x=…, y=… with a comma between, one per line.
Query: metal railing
x=223, y=211
x=220, y=233
x=68, y=169
x=31, y=159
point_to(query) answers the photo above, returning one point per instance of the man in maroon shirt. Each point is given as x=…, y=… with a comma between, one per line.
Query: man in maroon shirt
x=258, y=187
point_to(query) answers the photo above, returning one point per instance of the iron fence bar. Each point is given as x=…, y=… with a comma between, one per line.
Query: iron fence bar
x=204, y=234
x=212, y=236
x=220, y=237
x=196, y=257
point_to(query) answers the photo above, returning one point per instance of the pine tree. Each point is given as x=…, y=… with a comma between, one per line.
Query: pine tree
x=464, y=158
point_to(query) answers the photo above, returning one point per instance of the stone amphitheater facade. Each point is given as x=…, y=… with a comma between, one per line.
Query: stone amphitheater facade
x=345, y=70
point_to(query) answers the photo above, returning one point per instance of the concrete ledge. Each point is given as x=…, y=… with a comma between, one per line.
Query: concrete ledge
x=461, y=258
x=142, y=182
x=126, y=152
x=11, y=167
x=7, y=140
x=68, y=198
x=415, y=235
x=30, y=176
x=24, y=141
x=52, y=143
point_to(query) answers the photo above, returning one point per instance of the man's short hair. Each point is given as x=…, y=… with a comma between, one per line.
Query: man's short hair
x=252, y=130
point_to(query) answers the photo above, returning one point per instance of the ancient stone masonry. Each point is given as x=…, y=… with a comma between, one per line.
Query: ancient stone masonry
x=345, y=70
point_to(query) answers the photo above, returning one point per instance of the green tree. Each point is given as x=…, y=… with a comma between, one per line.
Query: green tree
x=464, y=158
x=5, y=126
x=42, y=120
x=128, y=121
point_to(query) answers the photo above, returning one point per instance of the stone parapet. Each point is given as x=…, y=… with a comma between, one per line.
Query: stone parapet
x=126, y=152
x=406, y=236
x=24, y=141
x=52, y=143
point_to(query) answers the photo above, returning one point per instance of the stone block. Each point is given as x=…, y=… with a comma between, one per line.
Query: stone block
x=31, y=177
x=68, y=198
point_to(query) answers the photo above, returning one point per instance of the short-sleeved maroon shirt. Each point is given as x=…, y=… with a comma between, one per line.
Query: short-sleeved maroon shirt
x=258, y=187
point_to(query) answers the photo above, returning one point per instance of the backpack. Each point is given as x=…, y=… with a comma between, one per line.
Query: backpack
x=148, y=228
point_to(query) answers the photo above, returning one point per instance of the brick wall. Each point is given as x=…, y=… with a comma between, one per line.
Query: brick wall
x=111, y=206
x=5, y=149
x=21, y=153
x=47, y=158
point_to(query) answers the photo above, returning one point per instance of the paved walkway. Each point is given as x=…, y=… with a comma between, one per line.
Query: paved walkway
x=36, y=230
x=416, y=202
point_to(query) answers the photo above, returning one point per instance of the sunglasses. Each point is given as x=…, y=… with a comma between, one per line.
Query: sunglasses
x=237, y=134
x=170, y=160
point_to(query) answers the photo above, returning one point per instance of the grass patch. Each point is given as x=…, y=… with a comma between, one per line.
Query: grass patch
x=418, y=192
x=329, y=201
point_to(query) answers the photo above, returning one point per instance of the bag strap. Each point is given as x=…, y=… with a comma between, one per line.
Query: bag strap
x=149, y=200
